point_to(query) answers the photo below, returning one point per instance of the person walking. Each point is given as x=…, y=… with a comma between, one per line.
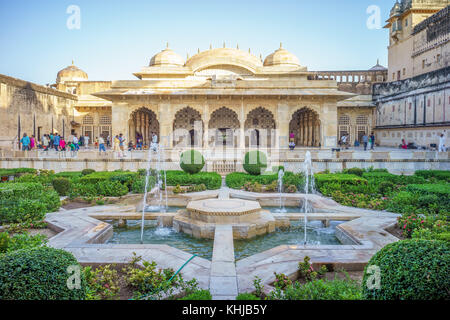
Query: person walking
x=442, y=143
x=86, y=141
x=76, y=142
x=344, y=141
x=32, y=142
x=365, y=139
x=372, y=141
x=50, y=141
x=101, y=145
x=122, y=144
x=45, y=142
x=25, y=142
x=56, y=140
x=62, y=144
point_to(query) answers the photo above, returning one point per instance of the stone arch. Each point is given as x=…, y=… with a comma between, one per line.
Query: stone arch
x=305, y=128
x=142, y=123
x=260, y=128
x=188, y=128
x=224, y=127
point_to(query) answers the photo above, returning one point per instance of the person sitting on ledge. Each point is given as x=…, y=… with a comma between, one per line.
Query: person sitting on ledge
x=130, y=146
x=404, y=145
x=292, y=145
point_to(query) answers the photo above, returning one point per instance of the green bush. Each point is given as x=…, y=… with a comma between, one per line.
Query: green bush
x=39, y=274
x=441, y=191
x=255, y=162
x=402, y=202
x=86, y=172
x=320, y=289
x=356, y=171
x=237, y=180
x=192, y=161
x=411, y=270
x=21, y=202
x=111, y=189
x=377, y=177
x=386, y=187
x=211, y=180
x=73, y=176
x=138, y=185
x=198, y=295
x=125, y=177
x=247, y=297
x=20, y=241
x=103, y=188
x=329, y=183
x=16, y=172
x=61, y=185
x=436, y=174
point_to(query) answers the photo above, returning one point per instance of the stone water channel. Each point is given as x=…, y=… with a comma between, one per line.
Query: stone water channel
x=86, y=234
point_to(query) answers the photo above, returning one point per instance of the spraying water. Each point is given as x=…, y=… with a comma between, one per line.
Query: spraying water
x=282, y=209
x=161, y=179
x=309, y=186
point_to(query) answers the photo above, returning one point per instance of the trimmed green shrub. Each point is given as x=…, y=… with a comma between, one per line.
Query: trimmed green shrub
x=103, y=188
x=247, y=297
x=20, y=241
x=410, y=270
x=138, y=185
x=39, y=274
x=192, y=161
x=436, y=174
x=329, y=183
x=319, y=289
x=73, y=176
x=386, y=187
x=238, y=180
x=198, y=295
x=111, y=189
x=211, y=180
x=16, y=172
x=441, y=191
x=379, y=177
x=21, y=202
x=61, y=185
x=255, y=162
x=124, y=177
x=86, y=172
x=356, y=171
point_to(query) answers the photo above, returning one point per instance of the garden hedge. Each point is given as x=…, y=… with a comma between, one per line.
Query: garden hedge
x=378, y=177
x=328, y=183
x=441, y=191
x=61, y=185
x=39, y=274
x=255, y=162
x=192, y=161
x=16, y=172
x=236, y=180
x=411, y=270
x=211, y=180
x=436, y=174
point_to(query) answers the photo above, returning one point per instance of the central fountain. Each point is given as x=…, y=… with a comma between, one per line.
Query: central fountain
x=247, y=218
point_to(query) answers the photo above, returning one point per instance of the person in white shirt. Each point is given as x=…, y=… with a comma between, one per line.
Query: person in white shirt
x=86, y=141
x=101, y=144
x=442, y=143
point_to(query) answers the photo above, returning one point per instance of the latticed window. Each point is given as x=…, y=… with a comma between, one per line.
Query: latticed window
x=105, y=119
x=344, y=120
x=361, y=120
x=88, y=120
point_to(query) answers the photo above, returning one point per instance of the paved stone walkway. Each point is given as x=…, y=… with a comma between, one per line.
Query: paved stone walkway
x=223, y=280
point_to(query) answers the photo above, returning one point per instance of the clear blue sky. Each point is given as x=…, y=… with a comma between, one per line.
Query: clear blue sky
x=117, y=37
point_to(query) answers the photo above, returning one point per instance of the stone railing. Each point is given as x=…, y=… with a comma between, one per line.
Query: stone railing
x=359, y=82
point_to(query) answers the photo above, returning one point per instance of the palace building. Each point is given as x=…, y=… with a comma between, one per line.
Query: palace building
x=218, y=97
